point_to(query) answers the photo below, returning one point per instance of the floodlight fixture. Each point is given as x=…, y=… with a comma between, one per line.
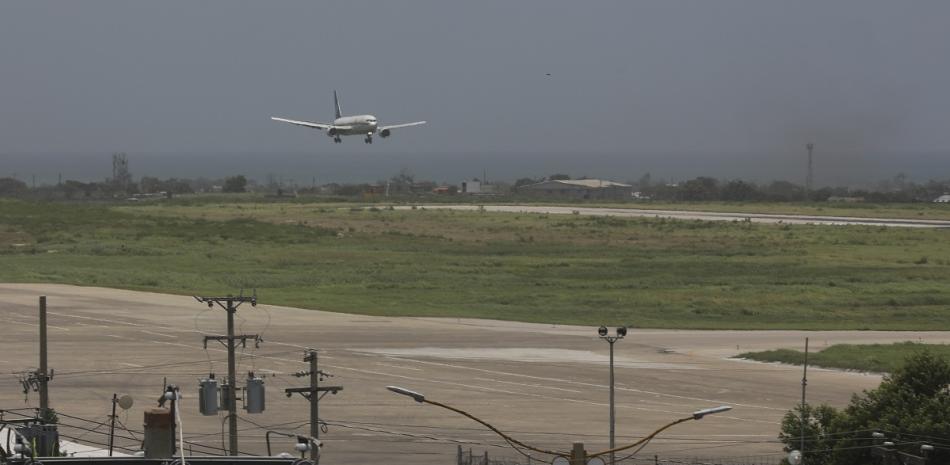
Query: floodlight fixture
x=709, y=411
x=602, y=331
x=406, y=392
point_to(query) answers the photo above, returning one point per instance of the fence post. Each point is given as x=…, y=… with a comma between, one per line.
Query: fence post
x=486, y=456
x=458, y=455
x=656, y=459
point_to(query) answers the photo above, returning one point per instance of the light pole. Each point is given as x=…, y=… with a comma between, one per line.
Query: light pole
x=618, y=335
x=578, y=456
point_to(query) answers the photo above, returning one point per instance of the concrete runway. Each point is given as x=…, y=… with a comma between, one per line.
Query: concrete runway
x=698, y=215
x=545, y=385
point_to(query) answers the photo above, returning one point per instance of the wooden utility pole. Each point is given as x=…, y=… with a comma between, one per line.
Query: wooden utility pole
x=230, y=305
x=312, y=394
x=42, y=374
x=804, y=384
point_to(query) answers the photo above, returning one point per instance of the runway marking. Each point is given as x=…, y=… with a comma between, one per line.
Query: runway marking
x=133, y=365
x=26, y=323
x=158, y=334
x=491, y=380
x=579, y=383
x=95, y=319
x=400, y=367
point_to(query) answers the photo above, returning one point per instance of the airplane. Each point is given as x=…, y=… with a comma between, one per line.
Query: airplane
x=365, y=125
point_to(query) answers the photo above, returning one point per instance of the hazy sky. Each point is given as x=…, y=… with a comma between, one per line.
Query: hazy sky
x=731, y=87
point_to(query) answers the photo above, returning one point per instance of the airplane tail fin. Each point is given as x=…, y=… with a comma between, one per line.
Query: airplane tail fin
x=336, y=104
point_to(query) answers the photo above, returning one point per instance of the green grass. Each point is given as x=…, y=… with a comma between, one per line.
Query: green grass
x=880, y=358
x=643, y=272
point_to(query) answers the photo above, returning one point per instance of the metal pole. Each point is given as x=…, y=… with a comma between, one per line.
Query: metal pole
x=612, y=442
x=804, y=383
x=809, y=180
x=44, y=369
x=232, y=383
x=314, y=406
x=112, y=424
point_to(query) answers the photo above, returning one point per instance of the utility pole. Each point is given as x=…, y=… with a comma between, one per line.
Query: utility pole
x=115, y=400
x=804, y=384
x=312, y=394
x=230, y=305
x=42, y=374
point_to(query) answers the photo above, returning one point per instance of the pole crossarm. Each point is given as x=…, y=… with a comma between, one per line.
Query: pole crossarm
x=235, y=301
x=496, y=430
x=242, y=337
x=308, y=392
x=645, y=439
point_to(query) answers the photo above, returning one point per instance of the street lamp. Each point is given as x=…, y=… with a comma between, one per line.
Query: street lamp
x=618, y=335
x=576, y=457
x=697, y=415
x=422, y=400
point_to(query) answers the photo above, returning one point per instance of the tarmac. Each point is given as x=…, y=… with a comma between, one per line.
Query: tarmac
x=545, y=385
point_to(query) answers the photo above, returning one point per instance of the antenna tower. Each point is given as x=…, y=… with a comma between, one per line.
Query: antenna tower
x=810, y=179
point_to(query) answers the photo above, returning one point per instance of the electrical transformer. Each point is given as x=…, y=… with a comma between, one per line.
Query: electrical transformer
x=208, y=396
x=255, y=395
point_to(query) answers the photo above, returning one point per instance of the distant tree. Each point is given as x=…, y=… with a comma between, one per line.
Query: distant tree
x=559, y=177
x=739, y=191
x=235, y=184
x=702, y=188
x=149, y=184
x=73, y=189
x=525, y=181
x=783, y=191
x=911, y=406
x=645, y=181
x=12, y=186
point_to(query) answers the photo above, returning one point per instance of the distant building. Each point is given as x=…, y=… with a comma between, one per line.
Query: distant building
x=471, y=187
x=478, y=187
x=580, y=189
x=945, y=198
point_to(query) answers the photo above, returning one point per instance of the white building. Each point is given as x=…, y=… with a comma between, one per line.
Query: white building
x=580, y=189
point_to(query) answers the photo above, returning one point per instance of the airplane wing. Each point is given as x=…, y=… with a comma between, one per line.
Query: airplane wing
x=308, y=124
x=404, y=125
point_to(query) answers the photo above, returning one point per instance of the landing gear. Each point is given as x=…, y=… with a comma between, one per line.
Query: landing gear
x=337, y=140
x=368, y=140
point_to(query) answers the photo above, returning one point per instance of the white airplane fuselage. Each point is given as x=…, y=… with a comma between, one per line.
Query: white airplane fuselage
x=354, y=125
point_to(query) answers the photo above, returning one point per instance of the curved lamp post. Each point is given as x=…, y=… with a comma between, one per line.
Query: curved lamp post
x=422, y=400
x=697, y=415
x=575, y=459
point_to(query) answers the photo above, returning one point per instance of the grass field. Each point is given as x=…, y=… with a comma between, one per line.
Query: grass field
x=880, y=358
x=642, y=272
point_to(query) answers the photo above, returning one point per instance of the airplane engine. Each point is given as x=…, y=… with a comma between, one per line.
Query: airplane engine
x=384, y=133
x=331, y=132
